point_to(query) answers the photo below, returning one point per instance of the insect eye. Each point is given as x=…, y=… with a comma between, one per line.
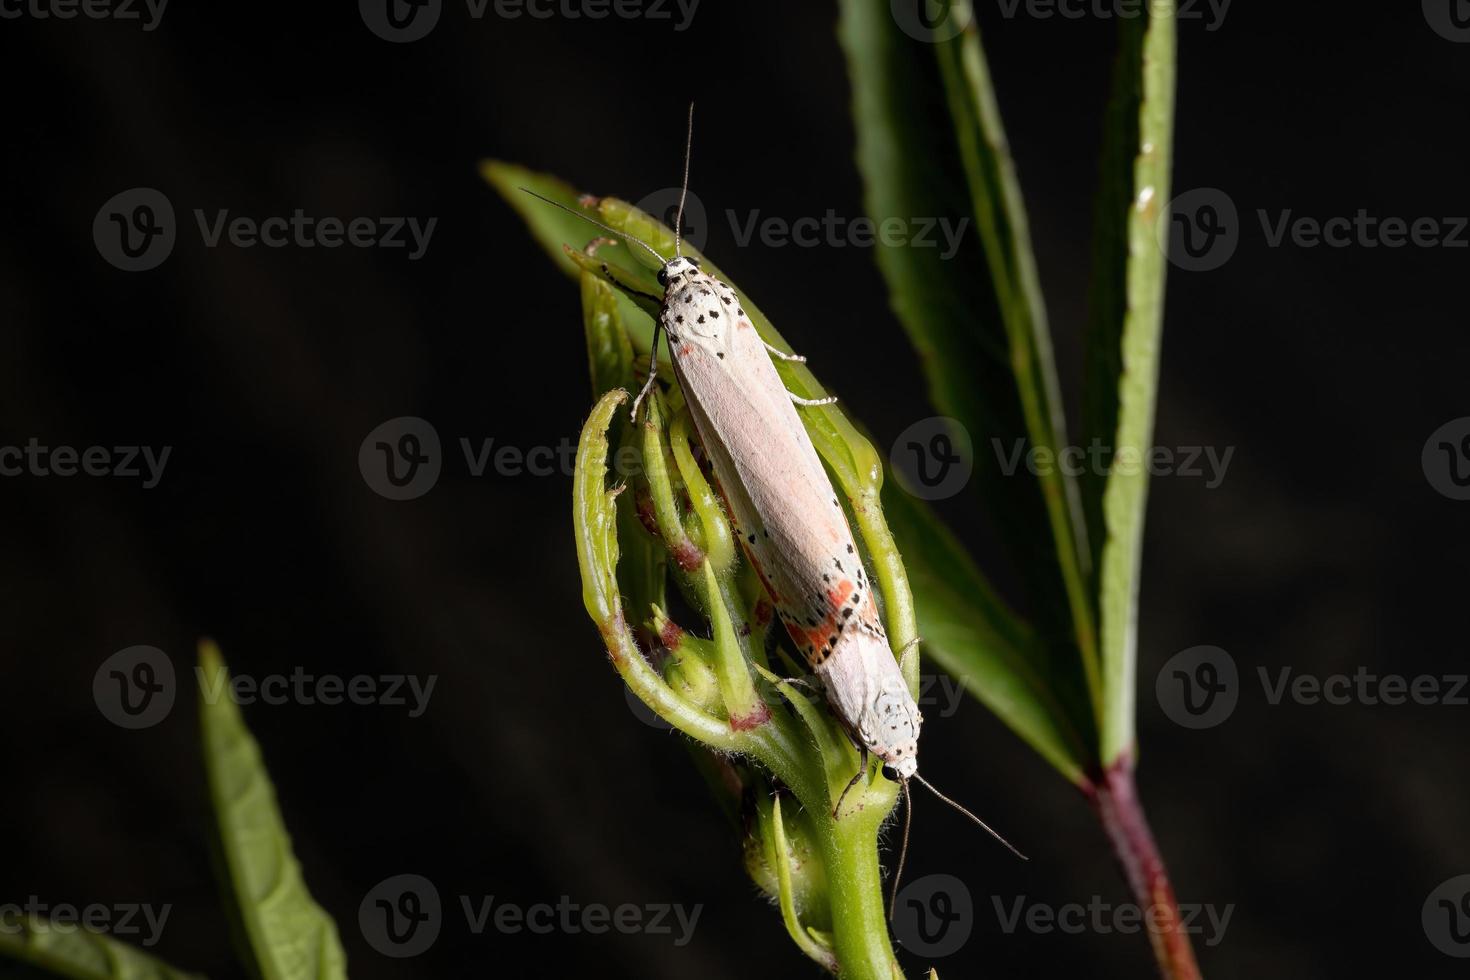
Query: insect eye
x=663, y=277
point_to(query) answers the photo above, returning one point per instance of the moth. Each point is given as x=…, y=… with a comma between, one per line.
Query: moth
x=782, y=505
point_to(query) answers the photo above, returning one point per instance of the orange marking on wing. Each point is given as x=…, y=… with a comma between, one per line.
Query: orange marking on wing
x=841, y=593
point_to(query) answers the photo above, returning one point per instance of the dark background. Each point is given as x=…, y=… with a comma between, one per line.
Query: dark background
x=528, y=778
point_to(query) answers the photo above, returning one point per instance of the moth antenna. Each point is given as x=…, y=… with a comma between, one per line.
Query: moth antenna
x=903, y=851
x=684, y=187
x=590, y=220
x=983, y=825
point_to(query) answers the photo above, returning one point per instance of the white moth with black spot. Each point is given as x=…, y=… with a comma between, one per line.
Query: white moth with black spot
x=783, y=507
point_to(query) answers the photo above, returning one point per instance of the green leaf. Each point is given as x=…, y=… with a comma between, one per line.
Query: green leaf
x=930, y=143
x=1124, y=340
x=78, y=954
x=290, y=937
x=1000, y=218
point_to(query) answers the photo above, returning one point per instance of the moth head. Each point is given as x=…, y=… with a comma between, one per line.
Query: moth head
x=894, y=726
x=679, y=265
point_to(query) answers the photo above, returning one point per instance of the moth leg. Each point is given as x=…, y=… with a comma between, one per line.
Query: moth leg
x=830, y=399
x=778, y=353
x=652, y=369
x=908, y=650
x=862, y=771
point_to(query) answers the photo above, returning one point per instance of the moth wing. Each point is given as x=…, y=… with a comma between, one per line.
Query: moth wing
x=780, y=497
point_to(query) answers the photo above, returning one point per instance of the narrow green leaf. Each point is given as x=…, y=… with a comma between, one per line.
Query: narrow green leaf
x=949, y=308
x=290, y=936
x=805, y=941
x=610, y=359
x=1146, y=93
x=930, y=144
x=1000, y=219
x=75, y=953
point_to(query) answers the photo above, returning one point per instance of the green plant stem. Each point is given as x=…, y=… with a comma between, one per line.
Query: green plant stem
x=855, y=886
x=1114, y=797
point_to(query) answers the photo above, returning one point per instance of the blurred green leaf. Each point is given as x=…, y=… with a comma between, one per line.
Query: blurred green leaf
x=1124, y=337
x=78, y=954
x=290, y=937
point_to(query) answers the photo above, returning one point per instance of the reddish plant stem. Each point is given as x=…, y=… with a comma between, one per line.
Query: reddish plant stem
x=1114, y=797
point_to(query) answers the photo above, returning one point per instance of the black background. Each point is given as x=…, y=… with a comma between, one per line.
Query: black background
x=528, y=778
